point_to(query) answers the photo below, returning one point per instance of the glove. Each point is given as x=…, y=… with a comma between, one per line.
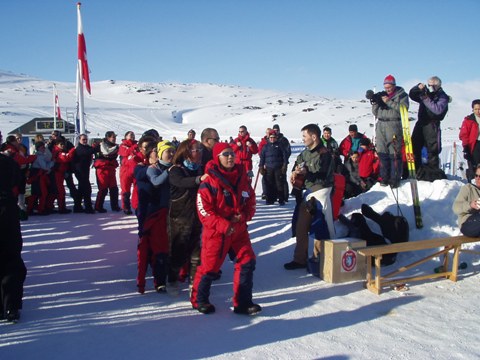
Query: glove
x=263, y=171
x=466, y=155
x=250, y=174
x=284, y=169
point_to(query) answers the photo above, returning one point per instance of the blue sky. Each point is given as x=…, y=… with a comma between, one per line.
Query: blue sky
x=330, y=48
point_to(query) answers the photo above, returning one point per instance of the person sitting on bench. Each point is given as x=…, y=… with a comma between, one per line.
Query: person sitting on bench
x=467, y=207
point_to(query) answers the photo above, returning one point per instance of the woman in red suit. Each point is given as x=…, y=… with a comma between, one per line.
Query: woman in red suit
x=225, y=202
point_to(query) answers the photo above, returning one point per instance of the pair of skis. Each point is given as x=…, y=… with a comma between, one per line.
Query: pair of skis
x=407, y=139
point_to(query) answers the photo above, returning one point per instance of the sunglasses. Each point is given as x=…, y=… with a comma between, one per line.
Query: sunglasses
x=227, y=153
x=477, y=176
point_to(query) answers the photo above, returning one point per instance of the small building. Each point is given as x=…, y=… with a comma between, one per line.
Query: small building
x=45, y=126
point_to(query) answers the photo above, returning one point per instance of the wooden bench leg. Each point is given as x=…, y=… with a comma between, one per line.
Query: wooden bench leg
x=378, y=266
x=455, y=262
x=369, y=272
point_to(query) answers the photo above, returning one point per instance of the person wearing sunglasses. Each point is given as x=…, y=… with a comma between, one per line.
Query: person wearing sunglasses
x=209, y=137
x=467, y=206
x=225, y=202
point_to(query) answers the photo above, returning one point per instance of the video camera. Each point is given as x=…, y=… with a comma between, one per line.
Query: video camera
x=376, y=98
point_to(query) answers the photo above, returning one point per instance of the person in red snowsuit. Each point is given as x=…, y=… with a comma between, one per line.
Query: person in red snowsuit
x=153, y=244
x=225, y=202
x=106, y=165
x=126, y=151
x=138, y=158
x=469, y=132
x=62, y=161
x=39, y=179
x=244, y=147
x=368, y=164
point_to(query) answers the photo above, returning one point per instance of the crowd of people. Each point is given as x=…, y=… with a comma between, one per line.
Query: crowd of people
x=193, y=198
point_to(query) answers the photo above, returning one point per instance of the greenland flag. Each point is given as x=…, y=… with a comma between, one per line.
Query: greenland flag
x=82, y=52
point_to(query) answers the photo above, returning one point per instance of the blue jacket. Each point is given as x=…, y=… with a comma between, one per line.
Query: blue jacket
x=273, y=156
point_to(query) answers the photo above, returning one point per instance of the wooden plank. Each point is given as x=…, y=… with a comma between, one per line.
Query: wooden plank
x=416, y=245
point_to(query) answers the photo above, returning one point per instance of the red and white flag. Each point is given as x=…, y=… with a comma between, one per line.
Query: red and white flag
x=57, y=106
x=82, y=75
x=82, y=51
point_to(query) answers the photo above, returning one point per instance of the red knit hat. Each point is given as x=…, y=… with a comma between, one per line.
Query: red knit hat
x=218, y=149
x=390, y=80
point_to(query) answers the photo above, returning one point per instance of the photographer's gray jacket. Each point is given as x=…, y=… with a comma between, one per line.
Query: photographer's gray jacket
x=391, y=110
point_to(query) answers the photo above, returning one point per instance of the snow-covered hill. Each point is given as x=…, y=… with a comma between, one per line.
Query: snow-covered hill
x=80, y=297
x=173, y=109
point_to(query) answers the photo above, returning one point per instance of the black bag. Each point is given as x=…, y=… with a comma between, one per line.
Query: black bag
x=428, y=173
x=358, y=228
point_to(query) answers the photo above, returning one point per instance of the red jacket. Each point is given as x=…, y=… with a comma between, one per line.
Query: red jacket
x=62, y=158
x=126, y=150
x=368, y=164
x=262, y=143
x=218, y=200
x=131, y=163
x=345, y=147
x=244, y=152
x=18, y=157
x=469, y=132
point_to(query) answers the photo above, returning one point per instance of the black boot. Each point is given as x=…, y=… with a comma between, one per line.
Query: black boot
x=114, y=199
x=100, y=200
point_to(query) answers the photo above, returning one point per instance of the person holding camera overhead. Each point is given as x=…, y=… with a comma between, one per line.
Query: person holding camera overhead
x=388, y=132
x=433, y=108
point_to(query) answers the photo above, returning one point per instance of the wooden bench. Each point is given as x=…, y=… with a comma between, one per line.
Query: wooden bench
x=375, y=284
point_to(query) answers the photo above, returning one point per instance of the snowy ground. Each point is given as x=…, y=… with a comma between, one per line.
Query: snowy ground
x=81, y=301
x=80, y=295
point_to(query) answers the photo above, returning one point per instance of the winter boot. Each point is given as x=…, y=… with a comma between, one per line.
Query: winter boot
x=77, y=204
x=160, y=269
x=127, y=209
x=114, y=199
x=100, y=200
x=88, y=205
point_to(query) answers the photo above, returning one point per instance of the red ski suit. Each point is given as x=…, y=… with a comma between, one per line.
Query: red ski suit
x=368, y=164
x=62, y=160
x=137, y=158
x=220, y=197
x=244, y=152
x=126, y=151
x=469, y=133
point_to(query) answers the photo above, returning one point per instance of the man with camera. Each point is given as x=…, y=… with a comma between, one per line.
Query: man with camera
x=426, y=133
x=388, y=132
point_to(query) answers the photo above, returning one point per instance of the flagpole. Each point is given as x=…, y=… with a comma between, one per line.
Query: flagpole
x=80, y=126
x=54, y=108
x=82, y=75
